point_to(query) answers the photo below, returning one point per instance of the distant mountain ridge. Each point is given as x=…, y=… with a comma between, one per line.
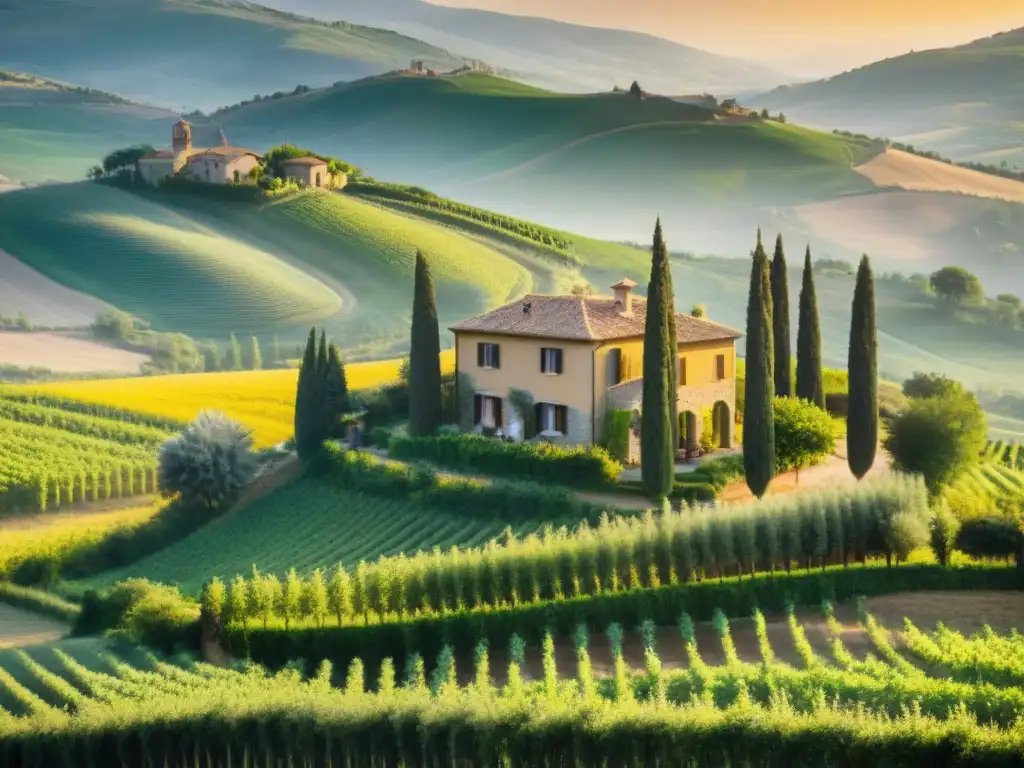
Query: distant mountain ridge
x=960, y=101
x=554, y=54
x=188, y=54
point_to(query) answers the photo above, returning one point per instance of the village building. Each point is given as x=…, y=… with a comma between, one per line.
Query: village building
x=215, y=165
x=580, y=358
x=309, y=171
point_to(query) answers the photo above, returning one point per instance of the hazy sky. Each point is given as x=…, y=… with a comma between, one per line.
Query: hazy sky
x=805, y=37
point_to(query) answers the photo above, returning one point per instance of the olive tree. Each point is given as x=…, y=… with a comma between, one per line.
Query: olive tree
x=209, y=463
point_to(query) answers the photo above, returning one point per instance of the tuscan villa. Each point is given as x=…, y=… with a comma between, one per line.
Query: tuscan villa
x=215, y=165
x=580, y=358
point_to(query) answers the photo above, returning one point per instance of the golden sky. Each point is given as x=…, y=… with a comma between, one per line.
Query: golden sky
x=812, y=37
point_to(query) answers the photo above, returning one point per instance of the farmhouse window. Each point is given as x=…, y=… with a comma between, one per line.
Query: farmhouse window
x=614, y=366
x=550, y=360
x=682, y=372
x=487, y=411
x=552, y=418
x=488, y=355
x=720, y=367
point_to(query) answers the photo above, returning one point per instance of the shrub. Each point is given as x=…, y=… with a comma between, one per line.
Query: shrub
x=540, y=462
x=990, y=537
x=141, y=612
x=511, y=501
x=837, y=403
x=209, y=463
x=380, y=437
x=923, y=385
x=803, y=434
x=937, y=437
x=944, y=529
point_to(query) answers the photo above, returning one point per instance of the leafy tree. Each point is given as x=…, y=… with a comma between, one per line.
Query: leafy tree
x=425, y=410
x=922, y=385
x=125, y=159
x=233, y=355
x=944, y=529
x=208, y=463
x=862, y=411
x=657, y=452
x=211, y=356
x=635, y=90
x=780, y=321
x=336, y=396
x=113, y=324
x=307, y=402
x=937, y=437
x=803, y=434
x=1010, y=299
x=809, y=384
x=759, y=386
x=699, y=311
x=255, y=361
x=957, y=285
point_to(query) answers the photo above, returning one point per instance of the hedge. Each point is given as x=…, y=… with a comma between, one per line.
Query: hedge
x=618, y=428
x=736, y=597
x=574, y=466
x=367, y=473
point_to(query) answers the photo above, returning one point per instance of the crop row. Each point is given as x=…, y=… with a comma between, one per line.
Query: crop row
x=886, y=518
x=1009, y=454
x=768, y=713
x=80, y=423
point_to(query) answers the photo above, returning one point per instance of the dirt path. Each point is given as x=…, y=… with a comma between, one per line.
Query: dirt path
x=19, y=628
x=894, y=168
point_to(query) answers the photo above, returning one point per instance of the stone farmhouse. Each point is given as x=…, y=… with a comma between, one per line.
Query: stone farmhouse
x=215, y=165
x=580, y=358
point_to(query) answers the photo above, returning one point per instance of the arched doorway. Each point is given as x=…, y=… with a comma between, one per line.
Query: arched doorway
x=721, y=419
x=318, y=178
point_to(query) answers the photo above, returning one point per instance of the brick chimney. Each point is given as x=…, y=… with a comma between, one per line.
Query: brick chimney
x=624, y=296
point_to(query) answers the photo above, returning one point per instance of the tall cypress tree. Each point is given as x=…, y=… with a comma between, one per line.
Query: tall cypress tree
x=336, y=398
x=425, y=409
x=657, y=452
x=233, y=355
x=255, y=357
x=306, y=405
x=276, y=355
x=862, y=412
x=759, y=406
x=780, y=322
x=809, y=384
x=671, y=339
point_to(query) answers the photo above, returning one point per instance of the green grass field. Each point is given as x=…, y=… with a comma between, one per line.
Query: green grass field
x=197, y=53
x=308, y=524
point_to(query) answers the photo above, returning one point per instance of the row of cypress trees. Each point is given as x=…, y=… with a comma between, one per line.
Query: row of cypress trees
x=769, y=363
x=322, y=396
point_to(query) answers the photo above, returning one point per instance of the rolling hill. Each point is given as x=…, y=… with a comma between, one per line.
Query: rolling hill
x=965, y=102
x=195, y=53
x=51, y=131
x=550, y=53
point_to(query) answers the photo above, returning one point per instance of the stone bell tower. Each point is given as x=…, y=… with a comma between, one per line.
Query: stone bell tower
x=181, y=138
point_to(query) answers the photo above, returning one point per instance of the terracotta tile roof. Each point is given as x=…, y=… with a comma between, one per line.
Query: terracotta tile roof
x=311, y=161
x=164, y=155
x=225, y=153
x=590, y=318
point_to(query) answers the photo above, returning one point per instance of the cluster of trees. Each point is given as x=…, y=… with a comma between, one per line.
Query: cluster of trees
x=239, y=357
x=961, y=289
x=939, y=434
x=779, y=118
x=120, y=162
x=274, y=159
x=769, y=374
x=322, y=396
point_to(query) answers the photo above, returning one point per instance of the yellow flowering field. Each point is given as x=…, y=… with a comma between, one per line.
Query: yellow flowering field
x=262, y=400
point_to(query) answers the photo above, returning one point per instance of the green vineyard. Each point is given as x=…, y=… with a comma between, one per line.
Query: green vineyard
x=1008, y=454
x=51, y=457
x=698, y=696
x=306, y=525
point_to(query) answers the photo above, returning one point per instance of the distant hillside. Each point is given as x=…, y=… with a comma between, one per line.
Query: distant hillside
x=551, y=53
x=53, y=131
x=195, y=53
x=966, y=102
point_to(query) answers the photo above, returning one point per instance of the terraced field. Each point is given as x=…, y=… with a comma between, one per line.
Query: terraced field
x=309, y=524
x=262, y=400
x=158, y=264
x=848, y=692
x=1008, y=453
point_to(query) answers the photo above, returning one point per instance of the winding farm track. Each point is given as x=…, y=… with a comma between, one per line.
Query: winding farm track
x=20, y=628
x=544, y=157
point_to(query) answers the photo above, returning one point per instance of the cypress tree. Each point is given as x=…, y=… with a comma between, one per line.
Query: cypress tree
x=276, y=355
x=255, y=357
x=809, y=384
x=862, y=411
x=306, y=406
x=425, y=410
x=233, y=356
x=780, y=322
x=336, y=399
x=656, y=450
x=759, y=393
x=671, y=341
